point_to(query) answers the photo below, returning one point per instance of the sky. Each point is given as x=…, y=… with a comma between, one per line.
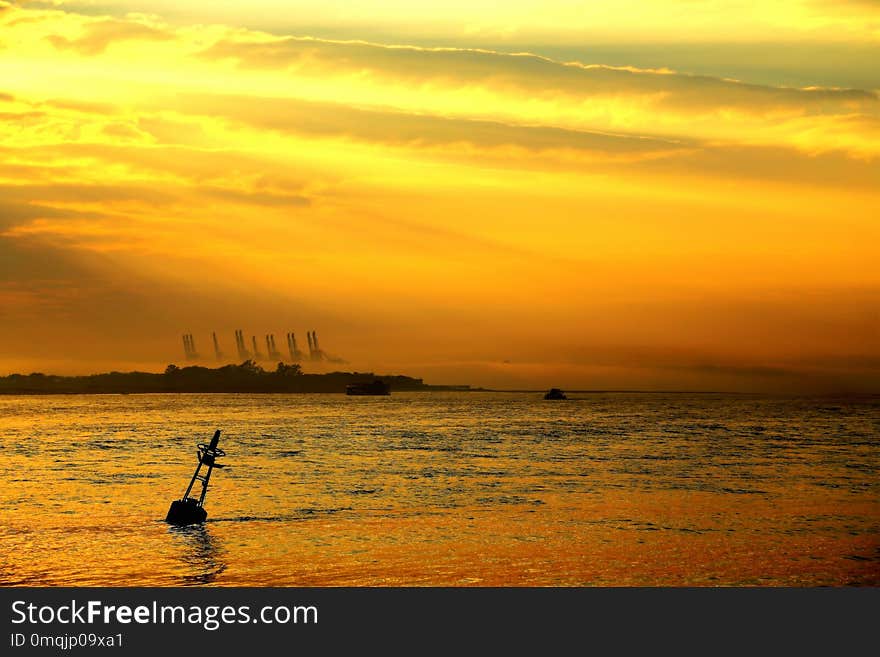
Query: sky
x=652, y=195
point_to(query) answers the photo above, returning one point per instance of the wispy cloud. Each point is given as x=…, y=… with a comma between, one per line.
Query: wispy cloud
x=98, y=36
x=572, y=94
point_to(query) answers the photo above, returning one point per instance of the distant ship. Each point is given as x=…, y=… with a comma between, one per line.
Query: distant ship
x=377, y=387
x=555, y=393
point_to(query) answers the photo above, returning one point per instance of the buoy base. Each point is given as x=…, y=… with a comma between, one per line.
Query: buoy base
x=185, y=512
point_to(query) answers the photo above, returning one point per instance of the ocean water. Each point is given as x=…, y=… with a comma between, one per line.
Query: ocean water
x=443, y=489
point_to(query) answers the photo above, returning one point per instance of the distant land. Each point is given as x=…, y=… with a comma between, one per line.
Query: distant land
x=246, y=377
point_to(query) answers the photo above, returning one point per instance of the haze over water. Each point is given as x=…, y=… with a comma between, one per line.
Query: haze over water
x=443, y=489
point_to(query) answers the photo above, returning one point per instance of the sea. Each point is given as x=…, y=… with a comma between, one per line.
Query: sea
x=443, y=489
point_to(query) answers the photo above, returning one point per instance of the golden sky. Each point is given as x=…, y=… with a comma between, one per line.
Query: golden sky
x=632, y=194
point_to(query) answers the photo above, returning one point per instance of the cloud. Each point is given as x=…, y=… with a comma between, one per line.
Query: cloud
x=534, y=90
x=29, y=265
x=83, y=106
x=26, y=202
x=762, y=164
x=182, y=164
x=100, y=35
x=521, y=22
x=474, y=140
x=59, y=192
x=16, y=212
x=259, y=198
x=122, y=131
x=320, y=119
x=869, y=6
x=524, y=73
x=26, y=117
x=476, y=84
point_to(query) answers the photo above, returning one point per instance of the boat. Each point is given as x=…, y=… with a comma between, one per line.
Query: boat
x=555, y=393
x=377, y=387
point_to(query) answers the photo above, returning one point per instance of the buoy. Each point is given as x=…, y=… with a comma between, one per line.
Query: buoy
x=190, y=510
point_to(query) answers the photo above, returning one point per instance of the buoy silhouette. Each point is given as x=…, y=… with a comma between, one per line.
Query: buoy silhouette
x=190, y=510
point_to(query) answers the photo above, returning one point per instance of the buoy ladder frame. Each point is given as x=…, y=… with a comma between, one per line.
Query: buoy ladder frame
x=208, y=455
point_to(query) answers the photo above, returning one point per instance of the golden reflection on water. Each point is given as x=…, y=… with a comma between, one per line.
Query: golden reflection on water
x=452, y=489
x=201, y=555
